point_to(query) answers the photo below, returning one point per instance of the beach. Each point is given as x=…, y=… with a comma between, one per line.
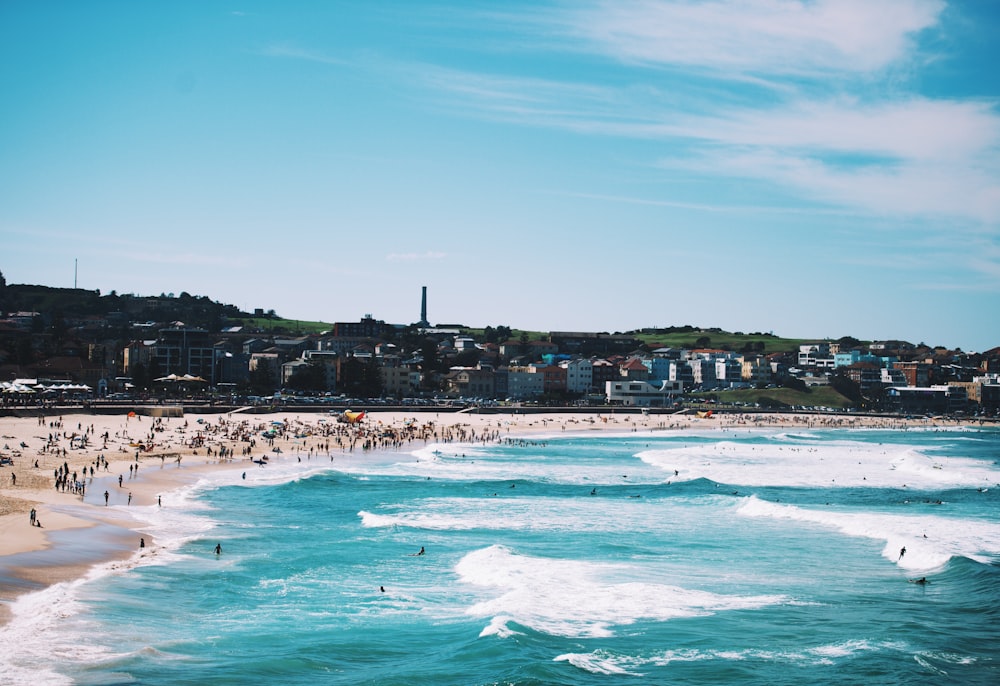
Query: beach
x=138, y=460
x=304, y=534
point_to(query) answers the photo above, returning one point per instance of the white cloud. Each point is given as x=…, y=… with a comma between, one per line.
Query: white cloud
x=915, y=128
x=831, y=130
x=904, y=189
x=832, y=127
x=789, y=37
x=909, y=158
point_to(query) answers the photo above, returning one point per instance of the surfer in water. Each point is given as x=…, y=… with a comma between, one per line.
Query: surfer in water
x=921, y=580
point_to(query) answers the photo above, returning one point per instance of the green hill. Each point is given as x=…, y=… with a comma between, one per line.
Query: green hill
x=816, y=396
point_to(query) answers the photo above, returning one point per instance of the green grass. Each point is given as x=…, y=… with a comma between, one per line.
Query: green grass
x=725, y=340
x=817, y=396
x=290, y=326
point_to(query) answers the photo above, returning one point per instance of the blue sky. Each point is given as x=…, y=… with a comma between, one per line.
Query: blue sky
x=815, y=169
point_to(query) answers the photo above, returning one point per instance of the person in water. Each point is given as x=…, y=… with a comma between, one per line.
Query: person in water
x=218, y=548
x=421, y=551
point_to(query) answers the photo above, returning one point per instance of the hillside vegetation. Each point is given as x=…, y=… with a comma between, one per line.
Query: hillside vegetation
x=203, y=312
x=816, y=396
x=689, y=337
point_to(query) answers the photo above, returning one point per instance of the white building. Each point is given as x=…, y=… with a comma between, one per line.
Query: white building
x=643, y=393
x=579, y=375
x=729, y=371
x=816, y=355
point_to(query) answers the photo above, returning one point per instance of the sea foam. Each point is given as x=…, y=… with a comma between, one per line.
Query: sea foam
x=808, y=463
x=930, y=540
x=545, y=594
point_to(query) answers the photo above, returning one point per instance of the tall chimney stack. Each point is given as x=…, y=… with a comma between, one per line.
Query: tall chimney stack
x=423, y=308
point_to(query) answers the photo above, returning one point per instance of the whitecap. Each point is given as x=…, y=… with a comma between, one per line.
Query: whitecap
x=545, y=594
x=930, y=540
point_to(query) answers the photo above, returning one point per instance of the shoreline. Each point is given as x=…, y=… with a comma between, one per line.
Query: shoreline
x=137, y=459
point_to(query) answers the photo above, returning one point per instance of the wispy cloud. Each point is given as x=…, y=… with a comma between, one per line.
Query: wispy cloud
x=773, y=37
x=700, y=207
x=836, y=122
x=838, y=127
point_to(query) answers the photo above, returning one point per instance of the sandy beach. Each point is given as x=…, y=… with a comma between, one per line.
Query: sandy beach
x=77, y=475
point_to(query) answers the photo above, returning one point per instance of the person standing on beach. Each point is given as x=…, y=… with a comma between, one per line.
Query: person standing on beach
x=105, y=498
x=32, y=516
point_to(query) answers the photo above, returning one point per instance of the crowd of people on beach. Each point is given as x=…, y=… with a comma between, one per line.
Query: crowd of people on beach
x=221, y=438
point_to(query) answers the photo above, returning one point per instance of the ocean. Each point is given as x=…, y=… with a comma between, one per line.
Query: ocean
x=696, y=557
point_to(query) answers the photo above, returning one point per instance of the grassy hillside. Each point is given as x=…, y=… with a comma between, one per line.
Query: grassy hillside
x=285, y=326
x=759, y=342
x=817, y=396
x=716, y=338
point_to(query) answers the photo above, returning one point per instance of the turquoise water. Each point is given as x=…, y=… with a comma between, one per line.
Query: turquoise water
x=690, y=558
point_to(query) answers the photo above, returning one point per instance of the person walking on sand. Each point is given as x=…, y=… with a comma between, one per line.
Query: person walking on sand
x=105, y=498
